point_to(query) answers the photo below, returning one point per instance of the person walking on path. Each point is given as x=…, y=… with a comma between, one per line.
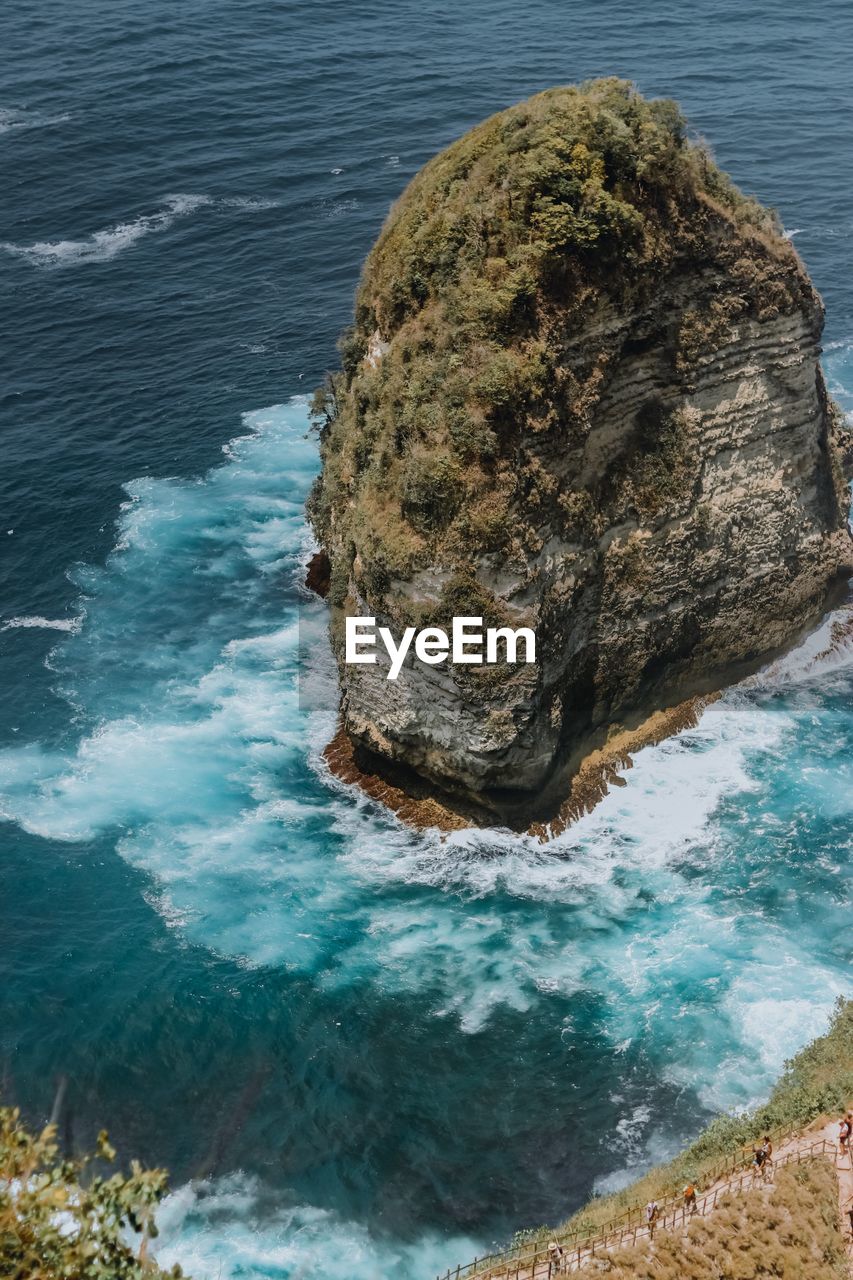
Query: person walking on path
x=652, y=1215
x=845, y=1132
x=690, y=1199
x=555, y=1258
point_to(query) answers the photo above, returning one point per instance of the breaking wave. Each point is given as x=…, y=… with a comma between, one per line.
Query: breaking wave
x=700, y=910
x=230, y=1227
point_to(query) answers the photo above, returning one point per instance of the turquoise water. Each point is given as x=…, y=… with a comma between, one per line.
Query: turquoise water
x=356, y=1047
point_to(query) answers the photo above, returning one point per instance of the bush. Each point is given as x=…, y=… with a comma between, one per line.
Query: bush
x=59, y=1220
x=432, y=492
x=486, y=295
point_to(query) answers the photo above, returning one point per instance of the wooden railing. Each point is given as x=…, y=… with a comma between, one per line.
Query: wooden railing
x=529, y=1261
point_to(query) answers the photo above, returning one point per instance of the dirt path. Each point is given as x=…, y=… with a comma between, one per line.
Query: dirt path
x=844, y=1169
x=844, y=1173
x=801, y=1144
x=821, y=1142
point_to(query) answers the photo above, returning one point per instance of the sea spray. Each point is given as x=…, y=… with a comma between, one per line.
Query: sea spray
x=384, y=1124
x=676, y=937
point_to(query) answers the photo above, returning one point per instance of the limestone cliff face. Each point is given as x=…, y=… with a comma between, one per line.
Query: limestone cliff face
x=582, y=394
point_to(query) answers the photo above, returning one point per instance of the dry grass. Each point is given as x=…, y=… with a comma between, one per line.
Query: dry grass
x=816, y=1083
x=790, y=1230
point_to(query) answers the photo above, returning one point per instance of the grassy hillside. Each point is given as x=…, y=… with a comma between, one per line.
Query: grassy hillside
x=791, y=1231
x=817, y=1082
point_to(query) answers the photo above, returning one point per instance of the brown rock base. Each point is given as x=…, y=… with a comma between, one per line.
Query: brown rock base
x=319, y=574
x=597, y=773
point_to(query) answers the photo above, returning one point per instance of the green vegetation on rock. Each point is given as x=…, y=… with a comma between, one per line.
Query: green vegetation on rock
x=473, y=367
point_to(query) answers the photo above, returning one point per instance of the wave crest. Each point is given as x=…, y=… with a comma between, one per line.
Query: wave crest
x=104, y=245
x=15, y=120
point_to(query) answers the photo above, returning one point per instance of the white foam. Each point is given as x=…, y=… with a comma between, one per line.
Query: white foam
x=656, y=1148
x=101, y=246
x=50, y=624
x=104, y=245
x=249, y=203
x=470, y=944
x=202, y=770
x=828, y=650
x=230, y=1228
x=340, y=208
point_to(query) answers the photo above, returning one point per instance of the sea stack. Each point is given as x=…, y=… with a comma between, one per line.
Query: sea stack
x=582, y=394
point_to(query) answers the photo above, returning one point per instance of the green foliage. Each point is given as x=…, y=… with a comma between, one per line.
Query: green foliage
x=432, y=491
x=375, y=580
x=470, y=436
x=524, y=1237
x=578, y=213
x=59, y=1220
x=663, y=467
x=353, y=348
x=467, y=378
x=323, y=408
x=578, y=511
x=464, y=597
x=705, y=330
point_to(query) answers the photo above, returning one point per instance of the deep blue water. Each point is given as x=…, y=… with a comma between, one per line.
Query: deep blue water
x=355, y=1047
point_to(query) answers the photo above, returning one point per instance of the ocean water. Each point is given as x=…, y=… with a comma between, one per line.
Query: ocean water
x=361, y=1051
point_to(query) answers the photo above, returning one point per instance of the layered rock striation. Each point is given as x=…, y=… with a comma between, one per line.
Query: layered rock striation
x=582, y=394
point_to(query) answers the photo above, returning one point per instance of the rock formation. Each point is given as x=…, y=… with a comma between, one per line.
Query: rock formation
x=581, y=394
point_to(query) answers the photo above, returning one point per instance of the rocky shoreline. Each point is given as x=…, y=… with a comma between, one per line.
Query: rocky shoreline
x=595, y=775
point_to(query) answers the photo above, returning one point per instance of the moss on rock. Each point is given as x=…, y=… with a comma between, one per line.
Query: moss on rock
x=454, y=376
